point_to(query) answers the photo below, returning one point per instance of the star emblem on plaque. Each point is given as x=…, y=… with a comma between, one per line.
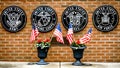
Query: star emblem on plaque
x=75, y=15
x=105, y=18
x=45, y=18
x=13, y=18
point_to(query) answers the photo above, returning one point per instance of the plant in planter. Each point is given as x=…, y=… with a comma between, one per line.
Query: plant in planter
x=78, y=47
x=78, y=50
x=42, y=49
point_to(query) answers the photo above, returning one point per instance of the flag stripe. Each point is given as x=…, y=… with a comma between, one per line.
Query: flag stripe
x=32, y=38
x=86, y=38
x=69, y=36
x=58, y=34
x=34, y=33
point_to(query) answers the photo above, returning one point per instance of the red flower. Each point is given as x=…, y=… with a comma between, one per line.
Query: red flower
x=46, y=40
x=78, y=42
x=39, y=40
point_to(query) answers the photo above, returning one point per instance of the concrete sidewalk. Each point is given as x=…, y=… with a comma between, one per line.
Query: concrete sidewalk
x=57, y=65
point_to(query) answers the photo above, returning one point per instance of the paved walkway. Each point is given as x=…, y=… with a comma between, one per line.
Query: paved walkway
x=57, y=65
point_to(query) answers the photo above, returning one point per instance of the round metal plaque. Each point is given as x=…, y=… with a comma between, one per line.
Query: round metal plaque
x=105, y=18
x=77, y=16
x=13, y=18
x=45, y=18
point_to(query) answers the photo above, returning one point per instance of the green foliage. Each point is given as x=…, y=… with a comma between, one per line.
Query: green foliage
x=77, y=45
x=43, y=44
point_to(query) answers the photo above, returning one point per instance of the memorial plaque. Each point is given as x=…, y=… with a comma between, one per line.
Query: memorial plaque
x=45, y=18
x=105, y=18
x=13, y=18
x=75, y=15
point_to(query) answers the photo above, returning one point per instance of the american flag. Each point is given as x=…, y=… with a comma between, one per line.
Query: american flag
x=87, y=37
x=69, y=36
x=58, y=34
x=34, y=33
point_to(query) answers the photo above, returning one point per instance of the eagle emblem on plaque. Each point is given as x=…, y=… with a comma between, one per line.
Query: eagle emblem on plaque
x=105, y=18
x=13, y=18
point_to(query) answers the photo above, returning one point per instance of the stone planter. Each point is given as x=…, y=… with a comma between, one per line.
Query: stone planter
x=42, y=54
x=78, y=54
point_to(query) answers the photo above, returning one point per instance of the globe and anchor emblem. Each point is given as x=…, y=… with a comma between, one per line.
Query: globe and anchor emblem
x=45, y=18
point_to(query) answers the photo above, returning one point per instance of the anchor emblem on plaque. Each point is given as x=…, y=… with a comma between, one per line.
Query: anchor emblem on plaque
x=75, y=18
x=75, y=15
x=13, y=18
x=44, y=19
x=105, y=18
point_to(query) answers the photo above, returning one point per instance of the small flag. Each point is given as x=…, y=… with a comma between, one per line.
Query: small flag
x=58, y=34
x=87, y=37
x=69, y=36
x=34, y=33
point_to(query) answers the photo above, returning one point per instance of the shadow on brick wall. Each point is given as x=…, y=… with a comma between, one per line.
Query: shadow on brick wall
x=54, y=42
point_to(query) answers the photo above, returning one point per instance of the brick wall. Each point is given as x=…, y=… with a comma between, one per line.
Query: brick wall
x=104, y=47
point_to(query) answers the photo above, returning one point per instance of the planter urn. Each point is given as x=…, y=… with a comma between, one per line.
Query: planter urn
x=78, y=55
x=42, y=54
